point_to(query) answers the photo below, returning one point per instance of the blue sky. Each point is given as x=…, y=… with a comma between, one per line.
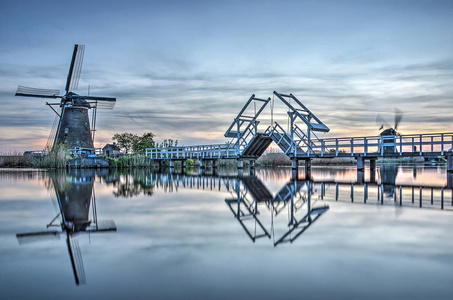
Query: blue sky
x=183, y=69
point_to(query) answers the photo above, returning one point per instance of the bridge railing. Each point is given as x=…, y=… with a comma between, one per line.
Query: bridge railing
x=214, y=151
x=416, y=144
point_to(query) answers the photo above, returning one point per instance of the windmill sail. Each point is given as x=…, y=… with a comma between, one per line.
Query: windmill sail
x=75, y=68
x=76, y=260
x=26, y=91
x=101, y=102
x=53, y=132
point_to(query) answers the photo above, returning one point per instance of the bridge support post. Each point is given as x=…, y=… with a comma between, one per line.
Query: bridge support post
x=252, y=164
x=172, y=164
x=450, y=164
x=202, y=166
x=450, y=181
x=373, y=164
x=360, y=176
x=295, y=164
x=307, y=169
x=240, y=164
x=360, y=163
x=183, y=164
x=215, y=163
x=372, y=170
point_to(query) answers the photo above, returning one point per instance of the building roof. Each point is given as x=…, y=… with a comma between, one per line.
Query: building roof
x=112, y=146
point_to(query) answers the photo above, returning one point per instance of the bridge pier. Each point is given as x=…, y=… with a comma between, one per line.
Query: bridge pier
x=308, y=164
x=450, y=164
x=215, y=163
x=372, y=175
x=450, y=182
x=172, y=164
x=360, y=166
x=307, y=169
x=183, y=164
x=372, y=164
x=252, y=164
x=202, y=166
x=360, y=176
x=240, y=164
x=295, y=164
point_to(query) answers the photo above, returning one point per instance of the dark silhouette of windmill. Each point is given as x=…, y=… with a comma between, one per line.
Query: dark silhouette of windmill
x=389, y=132
x=72, y=123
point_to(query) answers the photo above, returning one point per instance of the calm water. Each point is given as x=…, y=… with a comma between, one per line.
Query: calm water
x=334, y=233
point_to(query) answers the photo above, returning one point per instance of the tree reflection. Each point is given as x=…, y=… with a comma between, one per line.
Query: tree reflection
x=132, y=183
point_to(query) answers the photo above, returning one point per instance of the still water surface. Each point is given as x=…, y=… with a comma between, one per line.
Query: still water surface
x=334, y=233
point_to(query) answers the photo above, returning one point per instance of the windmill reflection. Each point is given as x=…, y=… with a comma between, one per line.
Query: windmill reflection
x=388, y=175
x=77, y=213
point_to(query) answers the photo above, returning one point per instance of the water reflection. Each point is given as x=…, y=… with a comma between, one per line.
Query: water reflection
x=184, y=230
x=76, y=201
x=274, y=204
x=295, y=196
x=304, y=198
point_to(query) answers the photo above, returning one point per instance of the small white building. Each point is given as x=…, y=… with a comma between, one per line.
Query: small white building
x=111, y=150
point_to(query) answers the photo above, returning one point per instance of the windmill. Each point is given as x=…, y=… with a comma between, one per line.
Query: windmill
x=389, y=132
x=72, y=123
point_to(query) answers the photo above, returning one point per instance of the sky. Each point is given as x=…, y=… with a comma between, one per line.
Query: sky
x=184, y=69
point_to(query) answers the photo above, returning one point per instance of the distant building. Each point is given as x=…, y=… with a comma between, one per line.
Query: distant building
x=34, y=153
x=111, y=150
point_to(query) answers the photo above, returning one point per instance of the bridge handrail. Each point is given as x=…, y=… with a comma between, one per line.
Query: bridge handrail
x=388, y=136
x=323, y=146
x=192, y=151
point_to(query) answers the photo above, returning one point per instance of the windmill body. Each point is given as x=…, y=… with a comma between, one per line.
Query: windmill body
x=74, y=194
x=73, y=126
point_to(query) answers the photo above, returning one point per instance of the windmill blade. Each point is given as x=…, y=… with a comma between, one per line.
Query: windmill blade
x=25, y=238
x=26, y=91
x=76, y=260
x=103, y=226
x=380, y=121
x=72, y=83
x=398, y=117
x=101, y=102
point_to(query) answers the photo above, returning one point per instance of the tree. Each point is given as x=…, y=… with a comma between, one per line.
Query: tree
x=130, y=141
x=168, y=143
x=143, y=142
x=125, y=140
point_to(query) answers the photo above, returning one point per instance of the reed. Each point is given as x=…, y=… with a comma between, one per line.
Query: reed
x=132, y=161
x=57, y=158
x=273, y=160
x=15, y=161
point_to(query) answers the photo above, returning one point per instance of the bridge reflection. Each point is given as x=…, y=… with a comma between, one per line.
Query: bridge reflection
x=299, y=203
x=75, y=202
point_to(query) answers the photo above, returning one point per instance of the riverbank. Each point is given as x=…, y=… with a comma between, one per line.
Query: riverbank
x=60, y=160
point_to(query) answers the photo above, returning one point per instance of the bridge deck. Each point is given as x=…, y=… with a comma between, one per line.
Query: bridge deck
x=426, y=145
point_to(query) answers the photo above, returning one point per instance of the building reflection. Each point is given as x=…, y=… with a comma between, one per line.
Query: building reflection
x=76, y=201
